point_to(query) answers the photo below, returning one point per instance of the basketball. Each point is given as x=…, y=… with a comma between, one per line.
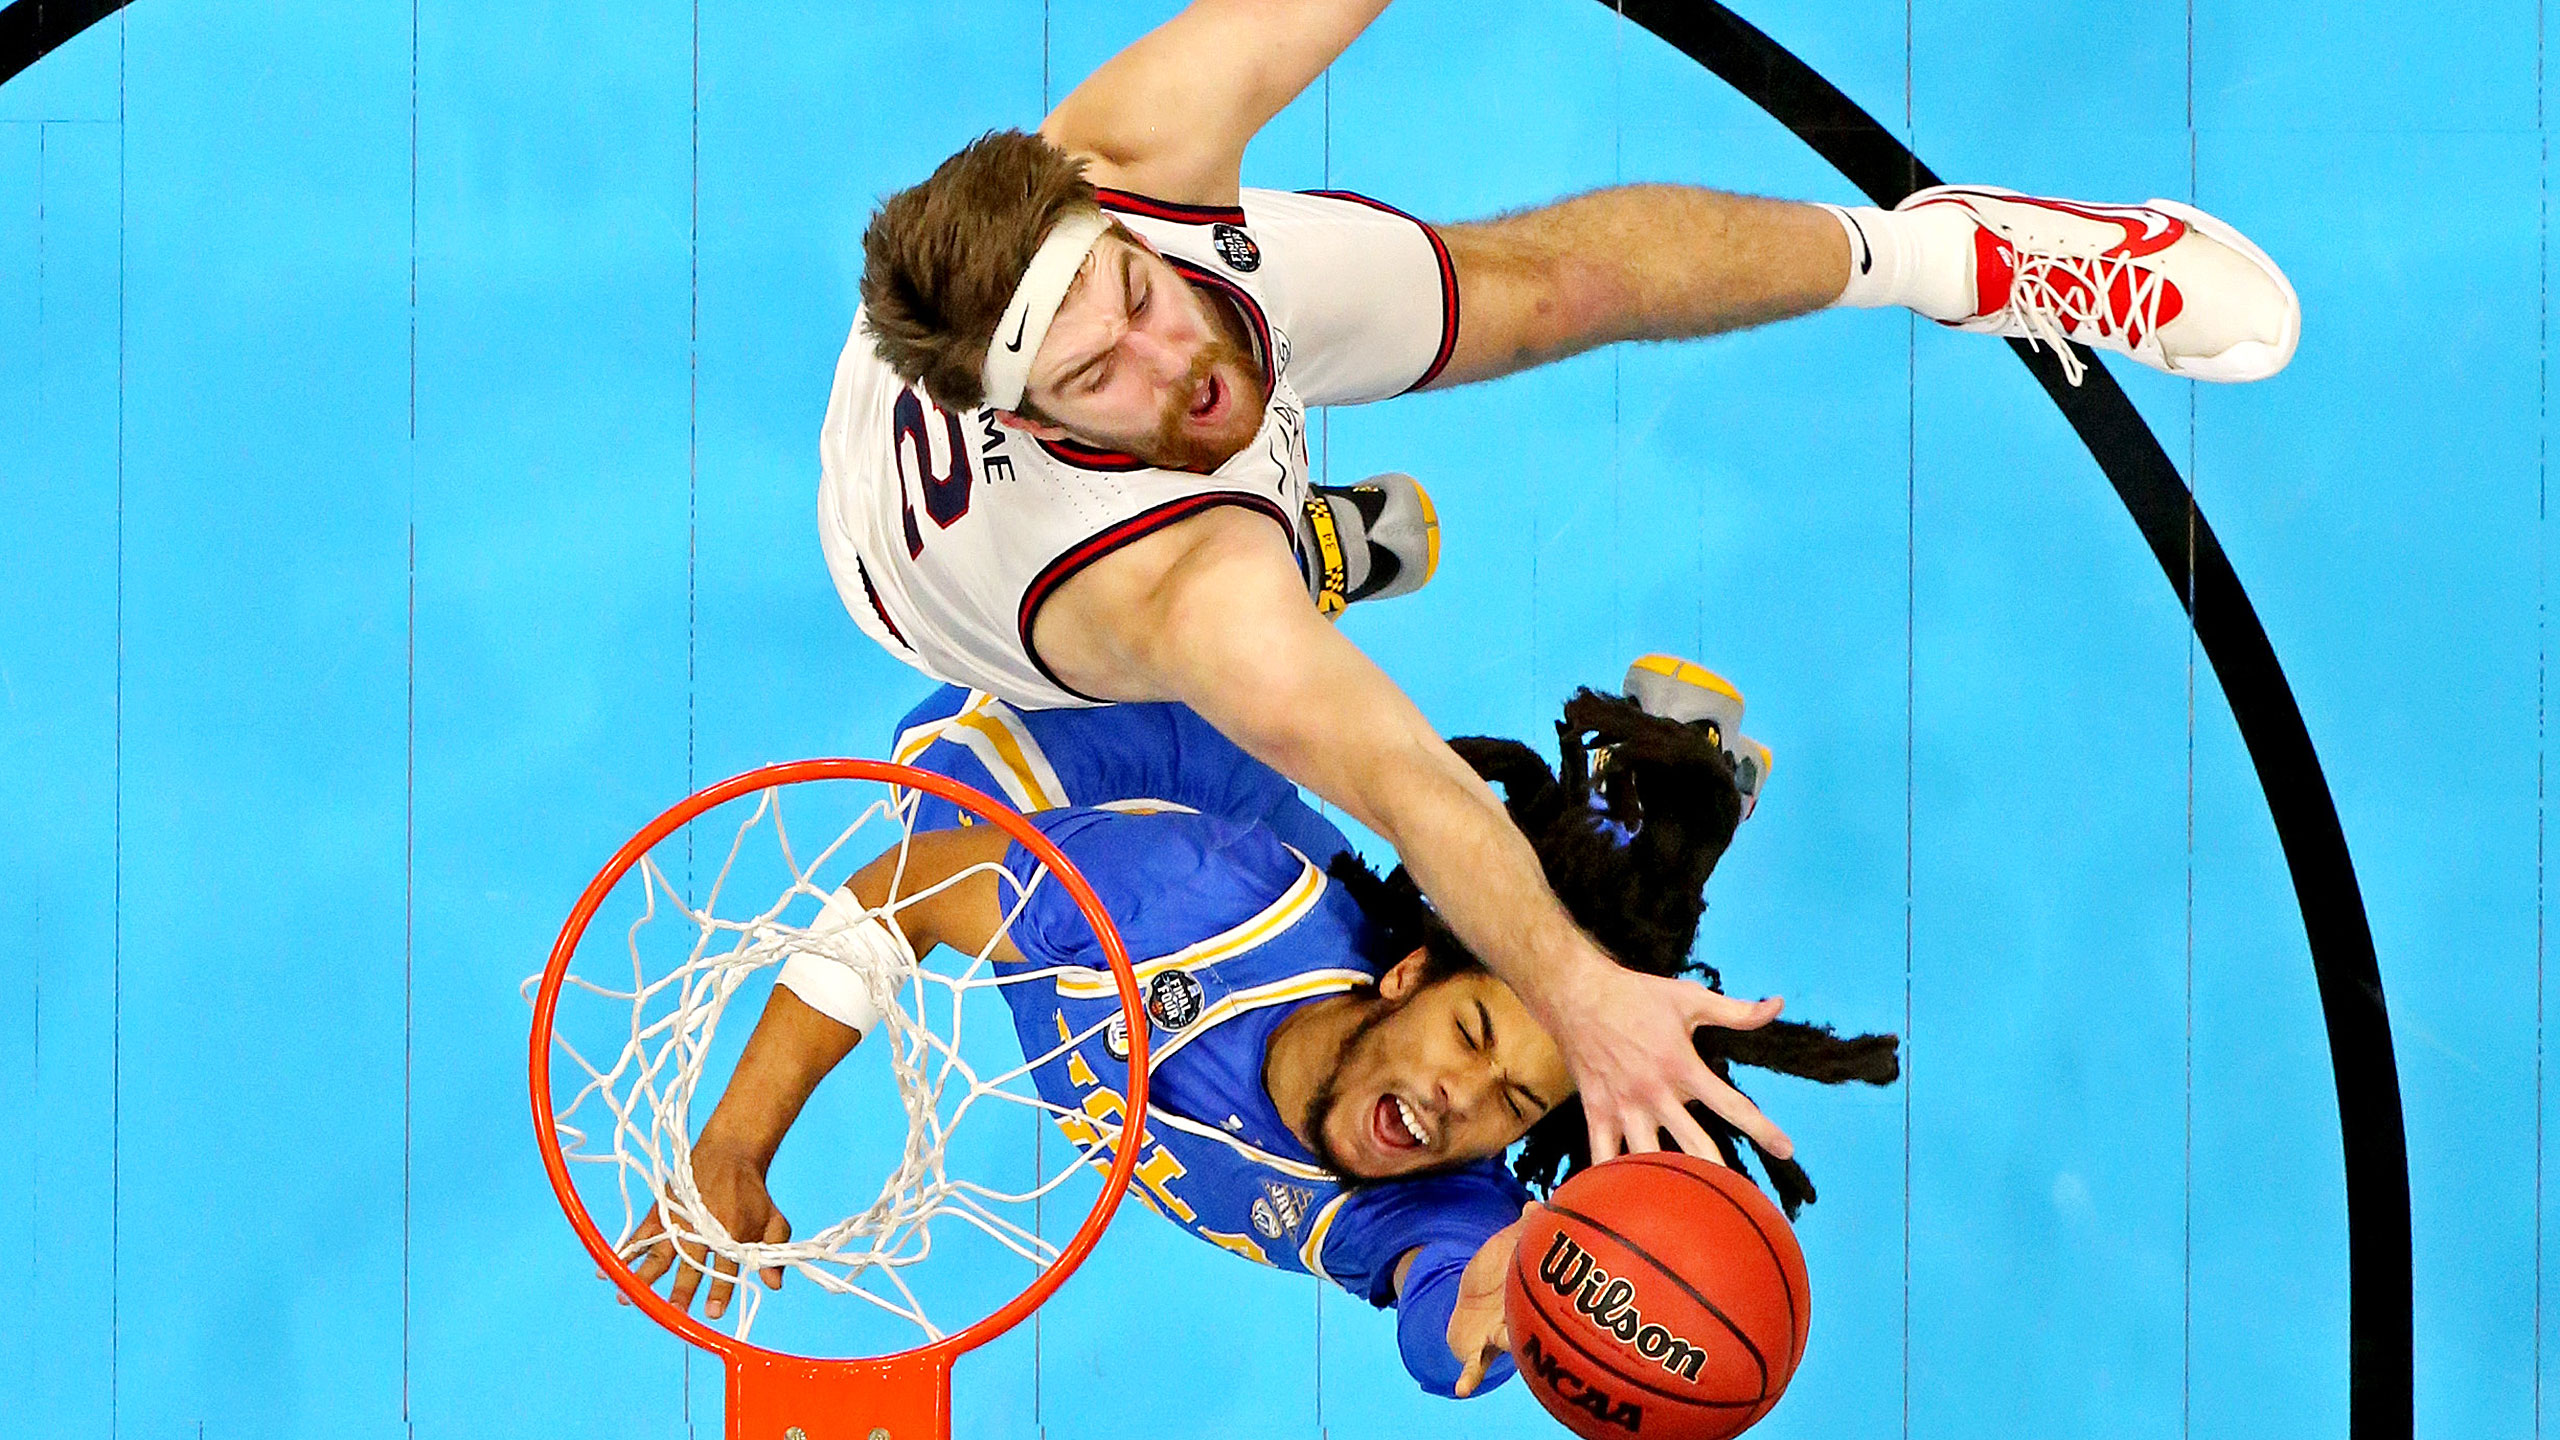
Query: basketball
x=1657, y=1295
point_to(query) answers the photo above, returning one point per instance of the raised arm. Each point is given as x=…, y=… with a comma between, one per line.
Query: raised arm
x=1171, y=115
x=1213, y=612
x=1455, y=1302
x=795, y=1046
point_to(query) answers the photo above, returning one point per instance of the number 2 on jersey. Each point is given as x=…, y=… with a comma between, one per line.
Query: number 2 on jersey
x=946, y=493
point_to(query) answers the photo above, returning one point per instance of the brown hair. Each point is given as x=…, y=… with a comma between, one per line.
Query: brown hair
x=940, y=260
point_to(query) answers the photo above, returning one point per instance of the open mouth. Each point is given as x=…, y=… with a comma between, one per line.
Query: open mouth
x=1397, y=1126
x=1211, y=399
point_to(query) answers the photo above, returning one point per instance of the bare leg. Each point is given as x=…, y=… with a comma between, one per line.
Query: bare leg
x=1638, y=262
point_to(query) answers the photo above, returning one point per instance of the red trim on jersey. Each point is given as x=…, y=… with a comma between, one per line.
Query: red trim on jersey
x=1136, y=527
x=876, y=607
x=1245, y=305
x=1448, y=281
x=1086, y=457
x=1129, y=203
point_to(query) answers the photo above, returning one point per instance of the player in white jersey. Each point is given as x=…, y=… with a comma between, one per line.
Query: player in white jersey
x=1337, y=300
x=1089, y=296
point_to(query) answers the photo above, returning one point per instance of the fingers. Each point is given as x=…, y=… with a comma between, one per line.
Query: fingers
x=1727, y=1013
x=656, y=1249
x=688, y=1277
x=1603, y=1132
x=1692, y=1137
x=776, y=1230
x=649, y=1235
x=1497, y=1342
x=724, y=1271
x=654, y=1257
x=1637, y=1089
x=1739, y=1112
x=693, y=1262
x=1639, y=1128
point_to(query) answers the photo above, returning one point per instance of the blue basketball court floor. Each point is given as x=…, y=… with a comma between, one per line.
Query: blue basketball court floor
x=407, y=419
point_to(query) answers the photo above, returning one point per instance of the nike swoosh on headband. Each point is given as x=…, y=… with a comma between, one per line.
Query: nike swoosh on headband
x=1036, y=298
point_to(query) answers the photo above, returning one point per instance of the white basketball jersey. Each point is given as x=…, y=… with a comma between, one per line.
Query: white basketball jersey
x=946, y=532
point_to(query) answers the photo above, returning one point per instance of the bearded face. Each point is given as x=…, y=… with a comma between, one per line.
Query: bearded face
x=1434, y=1076
x=1140, y=361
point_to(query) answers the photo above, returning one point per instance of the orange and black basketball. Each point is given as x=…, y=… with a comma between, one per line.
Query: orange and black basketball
x=1657, y=1295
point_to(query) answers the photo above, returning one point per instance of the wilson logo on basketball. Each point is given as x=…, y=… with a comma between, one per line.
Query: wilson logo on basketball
x=1608, y=1302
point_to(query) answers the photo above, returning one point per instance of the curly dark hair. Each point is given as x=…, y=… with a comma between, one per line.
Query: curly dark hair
x=1632, y=871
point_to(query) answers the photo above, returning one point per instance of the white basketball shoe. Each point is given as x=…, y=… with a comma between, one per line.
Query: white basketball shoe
x=1671, y=688
x=2162, y=283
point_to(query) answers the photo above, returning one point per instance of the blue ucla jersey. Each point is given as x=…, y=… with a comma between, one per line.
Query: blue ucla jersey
x=1043, y=759
x=1231, y=931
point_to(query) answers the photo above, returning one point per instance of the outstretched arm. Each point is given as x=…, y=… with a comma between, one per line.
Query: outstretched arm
x=1212, y=611
x=1171, y=115
x=794, y=1047
x=1478, y=1329
x=1459, y=1296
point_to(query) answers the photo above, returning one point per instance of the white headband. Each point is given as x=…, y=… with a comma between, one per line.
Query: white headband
x=1035, y=304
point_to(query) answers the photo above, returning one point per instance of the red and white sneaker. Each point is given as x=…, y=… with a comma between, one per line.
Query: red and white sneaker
x=2162, y=283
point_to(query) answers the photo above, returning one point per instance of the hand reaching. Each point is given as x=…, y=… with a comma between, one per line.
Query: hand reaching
x=1626, y=1038
x=1478, y=1330
x=732, y=1186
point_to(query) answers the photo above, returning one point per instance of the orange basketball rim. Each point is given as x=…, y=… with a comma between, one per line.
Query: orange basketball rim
x=771, y=1394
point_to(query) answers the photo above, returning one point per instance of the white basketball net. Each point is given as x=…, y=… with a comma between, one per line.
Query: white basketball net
x=642, y=1099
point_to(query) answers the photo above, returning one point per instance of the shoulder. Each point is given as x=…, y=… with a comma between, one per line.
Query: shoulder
x=1378, y=1224
x=869, y=403
x=1167, y=839
x=1203, y=556
x=1163, y=875
x=1214, y=246
x=859, y=369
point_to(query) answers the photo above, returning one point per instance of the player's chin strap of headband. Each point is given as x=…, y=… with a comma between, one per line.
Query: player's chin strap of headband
x=1035, y=304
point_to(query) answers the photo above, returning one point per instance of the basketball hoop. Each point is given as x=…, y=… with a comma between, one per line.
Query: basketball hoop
x=648, y=1091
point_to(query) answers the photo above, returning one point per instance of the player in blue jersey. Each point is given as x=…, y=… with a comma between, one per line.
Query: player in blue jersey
x=1043, y=759
x=1335, y=1079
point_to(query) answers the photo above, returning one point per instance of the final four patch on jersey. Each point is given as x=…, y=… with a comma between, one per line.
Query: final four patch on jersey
x=1281, y=1209
x=1175, y=999
x=1236, y=248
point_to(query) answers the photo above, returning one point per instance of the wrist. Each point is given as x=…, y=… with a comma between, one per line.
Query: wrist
x=1565, y=966
x=719, y=1147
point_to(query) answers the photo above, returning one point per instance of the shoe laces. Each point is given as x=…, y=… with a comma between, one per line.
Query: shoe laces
x=2052, y=295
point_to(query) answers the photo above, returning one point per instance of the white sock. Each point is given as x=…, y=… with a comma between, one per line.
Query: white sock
x=1920, y=258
